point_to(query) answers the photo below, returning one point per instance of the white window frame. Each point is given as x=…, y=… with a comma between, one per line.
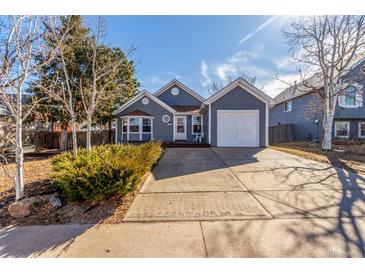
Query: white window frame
x=359, y=129
x=344, y=99
x=288, y=103
x=140, y=123
x=192, y=124
x=144, y=132
x=348, y=129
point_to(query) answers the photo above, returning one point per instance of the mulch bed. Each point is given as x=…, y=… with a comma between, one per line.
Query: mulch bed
x=110, y=211
x=37, y=183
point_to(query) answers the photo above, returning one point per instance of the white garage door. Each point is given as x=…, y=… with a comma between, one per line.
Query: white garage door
x=238, y=128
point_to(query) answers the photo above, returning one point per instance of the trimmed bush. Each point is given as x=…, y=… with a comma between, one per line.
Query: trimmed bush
x=105, y=171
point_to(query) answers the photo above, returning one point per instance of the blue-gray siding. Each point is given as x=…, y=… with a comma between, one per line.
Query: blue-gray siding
x=238, y=99
x=161, y=130
x=355, y=75
x=305, y=110
x=182, y=99
x=303, y=104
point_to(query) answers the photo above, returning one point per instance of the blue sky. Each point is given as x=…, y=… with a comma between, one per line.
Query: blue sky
x=200, y=49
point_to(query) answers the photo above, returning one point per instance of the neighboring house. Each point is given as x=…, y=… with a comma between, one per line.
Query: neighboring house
x=304, y=110
x=3, y=110
x=236, y=116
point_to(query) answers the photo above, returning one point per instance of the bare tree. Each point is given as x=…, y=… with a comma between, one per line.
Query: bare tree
x=326, y=47
x=104, y=67
x=219, y=84
x=21, y=42
x=61, y=86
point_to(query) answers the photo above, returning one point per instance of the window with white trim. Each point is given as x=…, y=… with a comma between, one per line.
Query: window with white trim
x=196, y=121
x=137, y=125
x=146, y=125
x=361, y=129
x=350, y=97
x=134, y=125
x=288, y=106
x=342, y=129
x=124, y=125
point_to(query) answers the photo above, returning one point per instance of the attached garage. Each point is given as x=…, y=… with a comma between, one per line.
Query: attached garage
x=238, y=128
x=238, y=116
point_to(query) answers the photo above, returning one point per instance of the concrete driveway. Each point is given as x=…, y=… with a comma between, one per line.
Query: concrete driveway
x=220, y=202
x=242, y=183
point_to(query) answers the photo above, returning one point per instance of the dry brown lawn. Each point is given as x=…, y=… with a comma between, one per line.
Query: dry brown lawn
x=350, y=157
x=34, y=171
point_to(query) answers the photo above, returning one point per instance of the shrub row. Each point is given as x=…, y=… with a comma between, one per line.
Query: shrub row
x=104, y=171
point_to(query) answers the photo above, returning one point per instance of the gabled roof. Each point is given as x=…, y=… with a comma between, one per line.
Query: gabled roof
x=138, y=113
x=3, y=109
x=139, y=96
x=299, y=89
x=315, y=80
x=182, y=86
x=244, y=85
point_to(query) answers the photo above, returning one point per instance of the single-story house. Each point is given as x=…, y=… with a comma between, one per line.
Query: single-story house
x=235, y=116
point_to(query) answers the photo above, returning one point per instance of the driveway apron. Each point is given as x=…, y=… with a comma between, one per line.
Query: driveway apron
x=193, y=184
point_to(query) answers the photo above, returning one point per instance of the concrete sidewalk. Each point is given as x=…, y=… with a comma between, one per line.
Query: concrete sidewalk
x=249, y=238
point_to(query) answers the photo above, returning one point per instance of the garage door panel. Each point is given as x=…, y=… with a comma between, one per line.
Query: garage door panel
x=238, y=128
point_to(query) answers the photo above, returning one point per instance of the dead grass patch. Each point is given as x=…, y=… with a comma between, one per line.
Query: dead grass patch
x=350, y=157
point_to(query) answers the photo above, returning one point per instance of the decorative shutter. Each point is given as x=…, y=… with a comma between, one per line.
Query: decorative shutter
x=359, y=97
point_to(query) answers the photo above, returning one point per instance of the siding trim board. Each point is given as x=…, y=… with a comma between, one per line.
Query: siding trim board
x=359, y=129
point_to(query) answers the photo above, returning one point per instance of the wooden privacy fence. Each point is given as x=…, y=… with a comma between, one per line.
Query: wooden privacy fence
x=50, y=140
x=281, y=134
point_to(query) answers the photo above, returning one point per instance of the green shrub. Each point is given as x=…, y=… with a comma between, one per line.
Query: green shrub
x=105, y=171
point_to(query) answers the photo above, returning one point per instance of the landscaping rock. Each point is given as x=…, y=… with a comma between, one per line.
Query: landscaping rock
x=19, y=209
x=55, y=202
x=32, y=201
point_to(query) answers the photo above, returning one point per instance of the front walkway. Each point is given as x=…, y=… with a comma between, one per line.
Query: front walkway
x=213, y=202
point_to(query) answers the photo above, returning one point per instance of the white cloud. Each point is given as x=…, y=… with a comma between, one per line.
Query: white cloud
x=154, y=79
x=225, y=70
x=242, y=62
x=285, y=62
x=204, y=68
x=274, y=86
x=263, y=25
x=238, y=63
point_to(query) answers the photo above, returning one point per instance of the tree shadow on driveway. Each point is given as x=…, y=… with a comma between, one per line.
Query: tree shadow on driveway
x=347, y=223
x=32, y=241
x=319, y=215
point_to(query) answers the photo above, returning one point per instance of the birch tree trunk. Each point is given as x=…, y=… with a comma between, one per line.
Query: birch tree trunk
x=63, y=138
x=88, y=132
x=74, y=134
x=21, y=44
x=327, y=128
x=18, y=181
x=326, y=47
x=328, y=117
